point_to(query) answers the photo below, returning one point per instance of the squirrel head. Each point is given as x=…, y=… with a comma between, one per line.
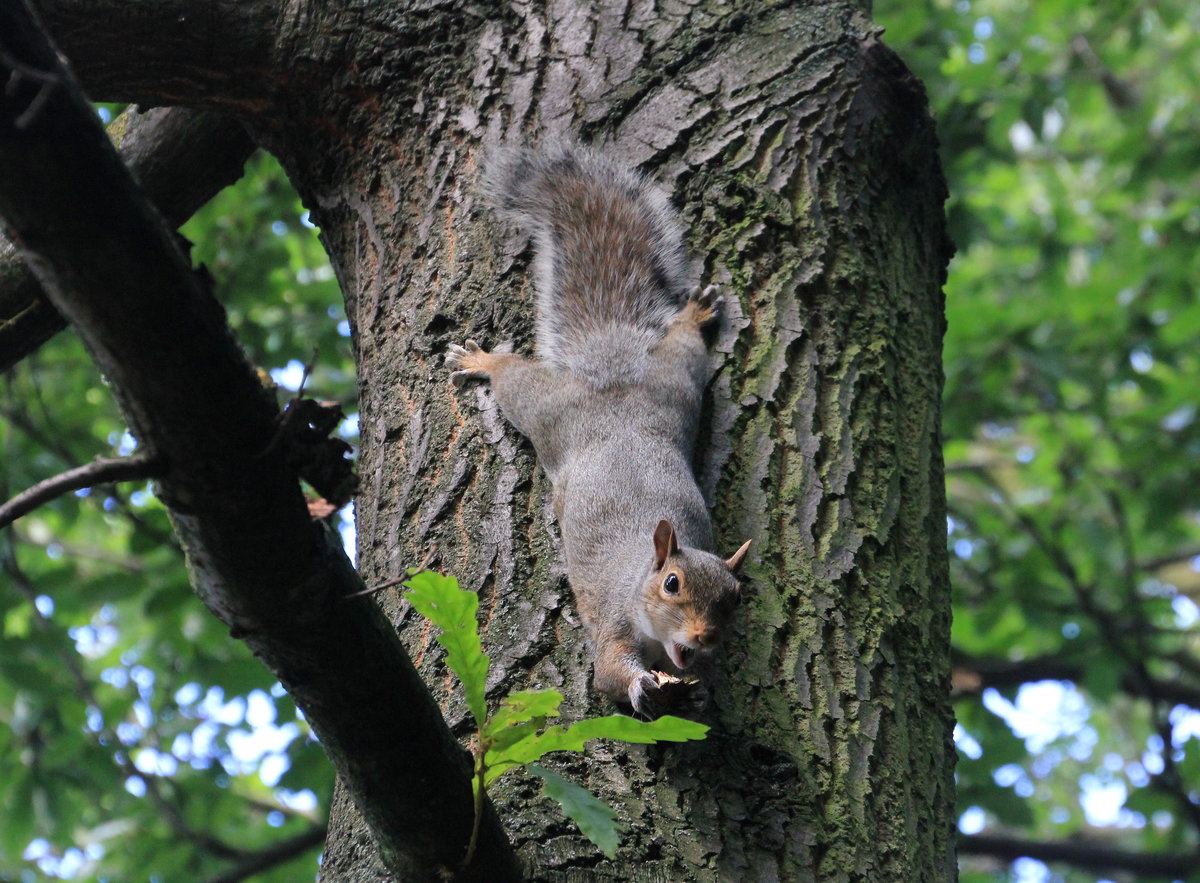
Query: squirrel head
x=690, y=596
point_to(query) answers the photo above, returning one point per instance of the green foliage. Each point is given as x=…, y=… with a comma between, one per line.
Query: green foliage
x=439, y=600
x=517, y=735
x=595, y=818
x=1070, y=142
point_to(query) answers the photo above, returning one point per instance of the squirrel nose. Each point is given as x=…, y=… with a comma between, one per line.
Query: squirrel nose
x=705, y=636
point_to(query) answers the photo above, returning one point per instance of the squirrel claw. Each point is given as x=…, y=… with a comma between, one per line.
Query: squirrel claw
x=470, y=360
x=706, y=304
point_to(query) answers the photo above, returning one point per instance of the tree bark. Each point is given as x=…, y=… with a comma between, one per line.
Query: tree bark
x=220, y=54
x=804, y=161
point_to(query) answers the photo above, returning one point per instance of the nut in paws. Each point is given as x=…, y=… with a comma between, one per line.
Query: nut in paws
x=655, y=693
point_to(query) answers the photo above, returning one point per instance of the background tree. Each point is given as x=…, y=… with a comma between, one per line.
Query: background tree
x=801, y=153
x=1071, y=363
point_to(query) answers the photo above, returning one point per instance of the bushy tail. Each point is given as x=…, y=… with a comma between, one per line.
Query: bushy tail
x=609, y=266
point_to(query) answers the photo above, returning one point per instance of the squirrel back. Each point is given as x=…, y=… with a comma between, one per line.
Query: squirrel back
x=610, y=266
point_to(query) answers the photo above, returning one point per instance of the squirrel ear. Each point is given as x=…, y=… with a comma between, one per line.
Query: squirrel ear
x=734, y=561
x=665, y=543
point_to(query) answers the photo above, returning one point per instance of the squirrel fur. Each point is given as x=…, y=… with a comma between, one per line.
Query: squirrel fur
x=612, y=405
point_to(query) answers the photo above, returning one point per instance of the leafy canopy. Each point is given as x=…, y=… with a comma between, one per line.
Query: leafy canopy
x=1070, y=135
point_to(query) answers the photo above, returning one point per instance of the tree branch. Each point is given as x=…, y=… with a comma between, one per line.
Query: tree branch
x=163, y=52
x=1177, y=557
x=971, y=676
x=56, y=446
x=275, y=577
x=181, y=157
x=283, y=851
x=1134, y=659
x=1080, y=855
x=136, y=468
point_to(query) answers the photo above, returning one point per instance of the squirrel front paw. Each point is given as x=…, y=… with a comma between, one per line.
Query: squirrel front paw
x=654, y=693
x=471, y=362
x=704, y=305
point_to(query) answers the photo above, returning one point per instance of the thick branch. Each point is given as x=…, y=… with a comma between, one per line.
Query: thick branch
x=194, y=52
x=97, y=472
x=181, y=157
x=1080, y=855
x=259, y=562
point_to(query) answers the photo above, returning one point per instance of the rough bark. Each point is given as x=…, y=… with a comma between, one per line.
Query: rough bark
x=215, y=53
x=803, y=158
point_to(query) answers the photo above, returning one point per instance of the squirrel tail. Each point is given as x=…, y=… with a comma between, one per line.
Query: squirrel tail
x=609, y=263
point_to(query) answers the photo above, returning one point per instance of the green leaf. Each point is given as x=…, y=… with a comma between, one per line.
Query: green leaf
x=573, y=738
x=522, y=706
x=595, y=818
x=503, y=740
x=439, y=599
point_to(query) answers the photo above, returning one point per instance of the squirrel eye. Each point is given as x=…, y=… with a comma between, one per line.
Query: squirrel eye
x=671, y=584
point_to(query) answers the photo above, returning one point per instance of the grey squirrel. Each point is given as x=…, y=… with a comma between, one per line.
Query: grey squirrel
x=612, y=407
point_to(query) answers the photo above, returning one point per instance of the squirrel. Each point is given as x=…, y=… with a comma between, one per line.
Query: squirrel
x=612, y=406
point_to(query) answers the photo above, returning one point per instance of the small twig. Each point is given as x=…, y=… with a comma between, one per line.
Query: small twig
x=133, y=565
x=47, y=82
x=35, y=107
x=480, y=772
x=26, y=71
x=267, y=806
x=48, y=442
x=284, y=419
x=101, y=471
x=387, y=584
x=277, y=854
x=308, y=369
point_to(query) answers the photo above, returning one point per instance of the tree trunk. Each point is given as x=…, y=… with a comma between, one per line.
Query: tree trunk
x=803, y=159
x=802, y=156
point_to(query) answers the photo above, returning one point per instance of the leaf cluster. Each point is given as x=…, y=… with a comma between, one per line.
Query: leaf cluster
x=516, y=734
